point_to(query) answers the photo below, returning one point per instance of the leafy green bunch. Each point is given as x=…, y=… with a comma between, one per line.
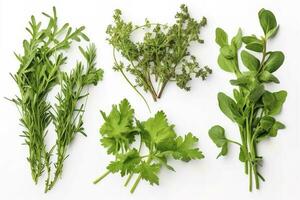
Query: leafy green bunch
x=162, y=56
x=38, y=73
x=127, y=139
x=68, y=113
x=253, y=107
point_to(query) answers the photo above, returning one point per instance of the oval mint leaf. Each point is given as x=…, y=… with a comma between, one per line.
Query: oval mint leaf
x=228, y=106
x=274, y=61
x=221, y=37
x=256, y=93
x=217, y=135
x=255, y=46
x=267, y=77
x=250, y=39
x=267, y=20
x=250, y=61
x=228, y=52
x=237, y=39
x=280, y=99
x=227, y=65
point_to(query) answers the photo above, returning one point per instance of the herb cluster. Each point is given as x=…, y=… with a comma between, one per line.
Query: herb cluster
x=253, y=107
x=38, y=73
x=68, y=113
x=162, y=56
x=127, y=139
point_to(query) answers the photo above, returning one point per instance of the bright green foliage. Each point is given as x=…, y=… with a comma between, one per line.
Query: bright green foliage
x=162, y=56
x=217, y=135
x=125, y=137
x=39, y=72
x=253, y=107
x=68, y=115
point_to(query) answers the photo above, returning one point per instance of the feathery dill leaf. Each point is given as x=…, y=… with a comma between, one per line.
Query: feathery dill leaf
x=38, y=73
x=39, y=67
x=68, y=112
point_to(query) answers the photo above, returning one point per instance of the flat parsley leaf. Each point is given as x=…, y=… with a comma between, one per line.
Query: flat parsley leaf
x=155, y=137
x=186, y=150
x=118, y=131
x=159, y=129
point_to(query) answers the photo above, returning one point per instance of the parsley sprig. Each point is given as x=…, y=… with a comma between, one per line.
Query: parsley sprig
x=161, y=57
x=39, y=71
x=253, y=107
x=143, y=148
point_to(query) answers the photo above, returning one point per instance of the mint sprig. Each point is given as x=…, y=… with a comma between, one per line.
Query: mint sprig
x=253, y=108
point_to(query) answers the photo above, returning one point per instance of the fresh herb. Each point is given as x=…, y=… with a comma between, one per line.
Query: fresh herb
x=126, y=138
x=67, y=116
x=38, y=73
x=162, y=56
x=253, y=107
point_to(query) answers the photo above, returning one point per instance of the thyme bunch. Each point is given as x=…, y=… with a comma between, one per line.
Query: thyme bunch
x=162, y=56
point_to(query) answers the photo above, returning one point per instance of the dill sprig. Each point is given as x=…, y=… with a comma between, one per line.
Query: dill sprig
x=38, y=73
x=67, y=115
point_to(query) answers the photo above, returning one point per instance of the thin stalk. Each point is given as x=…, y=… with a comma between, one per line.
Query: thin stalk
x=97, y=180
x=256, y=176
x=263, y=56
x=126, y=78
x=244, y=145
x=152, y=90
x=147, y=82
x=131, y=175
x=162, y=89
x=235, y=142
x=139, y=177
x=250, y=153
x=128, y=179
x=250, y=178
x=136, y=183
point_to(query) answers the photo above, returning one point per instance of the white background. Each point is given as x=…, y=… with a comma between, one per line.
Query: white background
x=195, y=111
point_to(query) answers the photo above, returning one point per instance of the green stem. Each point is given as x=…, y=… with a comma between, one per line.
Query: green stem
x=248, y=133
x=252, y=153
x=136, y=183
x=162, y=89
x=151, y=88
x=128, y=179
x=256, y=176
x=101, y=177
x=263, y=56
x=139, y=177
x=250, y=178
x=126, y=78
x=131, y=175
x=246, y=167
x=235, y=142
x=122, y=72
x=244, y=143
